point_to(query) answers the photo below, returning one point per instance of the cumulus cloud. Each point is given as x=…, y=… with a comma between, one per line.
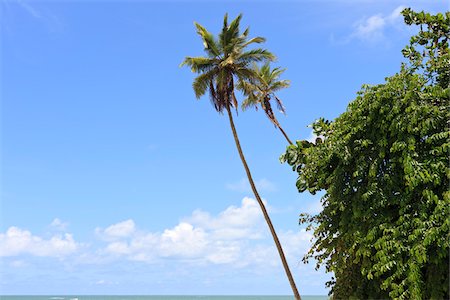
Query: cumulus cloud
x=184, y=241
x=200, y=237
x=246, y=215
x=372, y=29
x=17, y=241
x=119, y=230
x=244, y=187
x=236, y=236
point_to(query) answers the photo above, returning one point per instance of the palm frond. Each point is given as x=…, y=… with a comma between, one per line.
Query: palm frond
x=276, y=72
x=209, y=42
x=257, y=40
x=199, y=64
x=280, y=105
x=213, y=97
x=223, y=35
x=243, y=73
x=233, y=29
x=202, y=82
x=255, y=55
x=247, y=87
x=250, y=101
x=234, y=101
x=278, y=85
x=227, y=60
x=222, y=80
x=230, y=40
x=245, y=33
x=225, y=20
x=260, y=89
x=251, y=92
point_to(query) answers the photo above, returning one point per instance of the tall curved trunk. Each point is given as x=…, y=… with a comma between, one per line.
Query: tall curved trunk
x=284, y=133
x=263, y=208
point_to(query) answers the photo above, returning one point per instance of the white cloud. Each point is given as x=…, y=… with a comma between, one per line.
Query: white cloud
x=396, y=14
x=17, y=241
x=237, y=236
x=118, y=248
x=119, y=230
x=201, y=236
x=244, y=187
x=184, y=240
x=59, y=225
x=372, y=29
x=232, y=223
x=225, y=252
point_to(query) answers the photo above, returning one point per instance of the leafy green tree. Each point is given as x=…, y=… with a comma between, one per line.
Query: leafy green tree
x=228, y=60
x=384, y=167
x=260, y=90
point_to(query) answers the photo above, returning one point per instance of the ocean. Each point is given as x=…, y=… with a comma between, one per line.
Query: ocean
x=99, y=297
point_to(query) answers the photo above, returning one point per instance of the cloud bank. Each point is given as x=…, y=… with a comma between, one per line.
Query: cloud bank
x=236, y=236
x=16, y=241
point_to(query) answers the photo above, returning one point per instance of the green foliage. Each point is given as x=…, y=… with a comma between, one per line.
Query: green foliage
x=261, y=89
x=384, y=167
x=434, y=56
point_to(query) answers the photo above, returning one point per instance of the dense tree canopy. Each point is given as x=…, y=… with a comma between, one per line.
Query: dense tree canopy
x=384, y=167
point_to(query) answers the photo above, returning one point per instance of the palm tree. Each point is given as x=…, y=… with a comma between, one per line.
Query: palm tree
x=228, y=60
x=261, y=89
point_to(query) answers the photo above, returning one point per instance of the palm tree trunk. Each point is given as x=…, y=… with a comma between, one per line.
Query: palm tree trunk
x=263, y=208
x=284, y=133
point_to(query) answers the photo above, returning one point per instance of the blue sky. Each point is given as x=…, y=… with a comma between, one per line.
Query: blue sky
x=115, y=180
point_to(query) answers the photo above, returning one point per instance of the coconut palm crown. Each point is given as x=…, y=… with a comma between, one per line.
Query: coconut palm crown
x=227, y=58
x=260, y=90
